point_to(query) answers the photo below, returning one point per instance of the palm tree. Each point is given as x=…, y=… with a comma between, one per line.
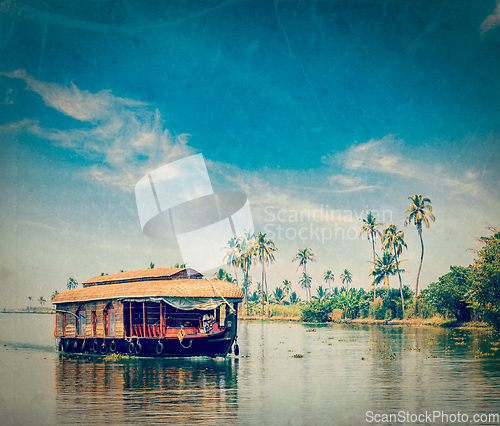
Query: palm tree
x=54, y=295
x=383, y=267
x=72, y=283
x=294, y=298
x=329, y=278
x=30, y=299
x=232, y=255
x=303, y=256
x=222, y=275
x=394, y=241
x=370, y=226
x=278, y=295
x=41, y=300
x=321, y=293
x=177, y=265
x=246, y=250
x=305, y=282
x=151, y=265
x=419, y=211
x=287, y=286
x=264, y=250
x=346, y=277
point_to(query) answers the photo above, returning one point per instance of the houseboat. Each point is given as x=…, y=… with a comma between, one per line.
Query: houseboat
x=160, y=312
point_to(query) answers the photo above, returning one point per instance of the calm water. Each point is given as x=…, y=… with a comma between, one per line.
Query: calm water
x=345, y=371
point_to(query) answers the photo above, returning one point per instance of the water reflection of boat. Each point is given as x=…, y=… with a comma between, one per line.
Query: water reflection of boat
x=154, y=312
x=146, y=391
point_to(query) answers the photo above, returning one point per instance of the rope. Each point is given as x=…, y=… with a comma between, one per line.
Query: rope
x=180, y=336
x=217, y=290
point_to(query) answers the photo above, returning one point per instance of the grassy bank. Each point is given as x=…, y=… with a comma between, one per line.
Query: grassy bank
x=29, y=311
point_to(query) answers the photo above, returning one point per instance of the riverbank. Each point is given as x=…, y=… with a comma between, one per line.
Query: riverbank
x=29, y=311
x=413, y=322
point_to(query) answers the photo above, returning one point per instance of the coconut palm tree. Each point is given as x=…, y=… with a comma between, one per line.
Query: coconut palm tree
x=287, y=287
x=418, y=212
x=177, y=265
x=321, y=293
x=72, y=283
x=232, y=257
x=370, y=227
x=329, y=278
x=41, y=300
x=383, y=267
x=394, y=241
x=54, y=295
x=151, y=265
x=222, y=275
x=346, y=277
x=246, y=247
x=30, y=299
x=278, y=295
x=265, y=249
x=294, y=299
x=305, y=283
x=303, y=256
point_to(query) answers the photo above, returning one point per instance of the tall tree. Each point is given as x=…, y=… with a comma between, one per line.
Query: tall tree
x=232, y=256
x=303, y=256
x=287, y=286
x=329, y=278
x=370, y=227
x=383, y=267
x=54, y=295
x=41, y=300
x=30, y=299
x=265, y=249
x=419, y=209
x=72, y=283
x=394, y=241
x=151, y=265
x=346, y=277
x=246, y=250
x=305, y=283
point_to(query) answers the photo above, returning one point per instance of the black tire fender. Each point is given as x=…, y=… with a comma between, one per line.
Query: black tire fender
x=159, y=348
x=138, y=348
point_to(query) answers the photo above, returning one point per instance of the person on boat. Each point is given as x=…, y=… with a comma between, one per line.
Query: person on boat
x=207, y=320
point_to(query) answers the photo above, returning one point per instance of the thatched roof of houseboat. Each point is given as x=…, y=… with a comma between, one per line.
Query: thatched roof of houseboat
x=154, y=289
x=143, y=275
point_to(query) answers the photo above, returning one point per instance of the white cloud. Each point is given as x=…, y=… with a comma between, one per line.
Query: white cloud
x=492, y=20
x=384, y=156
x=125, y=139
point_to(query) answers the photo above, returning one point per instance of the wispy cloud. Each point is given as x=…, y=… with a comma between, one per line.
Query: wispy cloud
x=492, y=20
x=125, y=138
x=384, y=157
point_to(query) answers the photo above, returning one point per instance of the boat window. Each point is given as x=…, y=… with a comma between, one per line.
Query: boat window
x=110, y=320
x=80, y=321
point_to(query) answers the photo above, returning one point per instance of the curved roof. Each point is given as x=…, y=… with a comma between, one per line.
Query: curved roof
x=156, y=288
x=143, y=275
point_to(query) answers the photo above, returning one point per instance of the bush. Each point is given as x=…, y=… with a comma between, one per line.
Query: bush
x=316, y=311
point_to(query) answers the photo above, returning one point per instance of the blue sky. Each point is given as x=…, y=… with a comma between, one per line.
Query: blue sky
x=304, y=106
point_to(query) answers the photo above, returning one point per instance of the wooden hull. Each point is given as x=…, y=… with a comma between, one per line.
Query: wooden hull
x=216, y=344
